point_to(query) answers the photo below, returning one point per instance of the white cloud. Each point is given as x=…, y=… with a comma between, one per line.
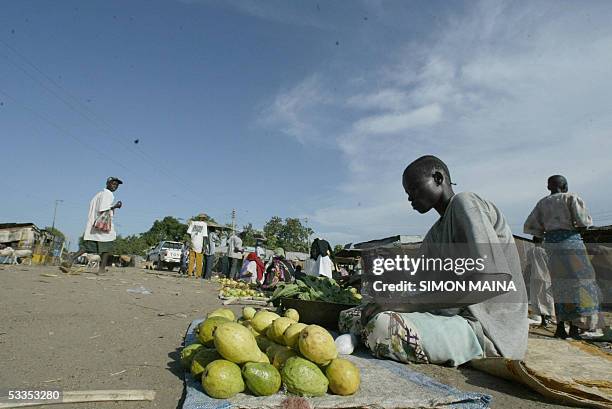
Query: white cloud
x=390, y=98
x=292, y=110
x=507, y=94
x=398, y=122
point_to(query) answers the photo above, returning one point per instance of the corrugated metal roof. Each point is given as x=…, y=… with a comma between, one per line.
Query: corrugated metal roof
x=16, y=225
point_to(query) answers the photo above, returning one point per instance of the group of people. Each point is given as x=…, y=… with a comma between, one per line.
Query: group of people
x=198, y=258
x=198, y=254
x=278, y=268
x=451, y=330
x=269, y=274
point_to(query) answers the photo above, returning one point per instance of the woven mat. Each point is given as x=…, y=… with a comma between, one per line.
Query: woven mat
x=569, y=372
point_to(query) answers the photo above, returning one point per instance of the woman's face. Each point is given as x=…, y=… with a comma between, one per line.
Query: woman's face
x=423, y=192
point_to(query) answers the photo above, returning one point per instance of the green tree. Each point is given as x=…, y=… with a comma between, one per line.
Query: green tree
x=169, y=228
x=133, y=244
x=249, y=233
x=205, y=218
x=338, y=247
x=54, y=231
x=290, y=234
x=273, y=230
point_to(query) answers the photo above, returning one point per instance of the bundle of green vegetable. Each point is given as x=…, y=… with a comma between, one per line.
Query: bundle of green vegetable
x=317, y=289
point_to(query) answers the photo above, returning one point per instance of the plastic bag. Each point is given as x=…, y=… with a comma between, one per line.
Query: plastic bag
x=139, y=290
x=103, y=222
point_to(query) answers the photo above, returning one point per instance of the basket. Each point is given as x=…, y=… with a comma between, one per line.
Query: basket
x=321, y=313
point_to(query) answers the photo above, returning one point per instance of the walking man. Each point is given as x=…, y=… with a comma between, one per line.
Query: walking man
x=99, y=237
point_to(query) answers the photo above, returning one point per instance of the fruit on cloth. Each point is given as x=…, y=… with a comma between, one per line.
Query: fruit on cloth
x=345, y=344
x=261, y=379
x=207, y=328
x=304, y=378
x=262, y=320
x=277, y=329
x=201, y=359
x=281, y=356
x=222, y=379
x=343, y=376
x=293, y=314
x=292, y=334
x=248, y=313
x=236, y=343
x=189, y=352
x=223, y=312
x=317, y=345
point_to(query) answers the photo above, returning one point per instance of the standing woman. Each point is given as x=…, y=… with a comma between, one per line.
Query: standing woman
x=558, y=219
x=321, y=252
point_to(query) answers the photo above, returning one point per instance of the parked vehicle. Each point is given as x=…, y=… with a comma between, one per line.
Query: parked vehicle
x=167, y=254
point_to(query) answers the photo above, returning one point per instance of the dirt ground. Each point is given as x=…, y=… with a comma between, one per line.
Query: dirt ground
x=87, y=332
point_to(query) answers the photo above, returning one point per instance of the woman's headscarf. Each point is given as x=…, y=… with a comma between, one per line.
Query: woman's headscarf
x=260, y=265
x=321, y=248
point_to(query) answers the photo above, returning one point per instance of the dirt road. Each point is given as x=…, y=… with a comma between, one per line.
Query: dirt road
x=86, y=332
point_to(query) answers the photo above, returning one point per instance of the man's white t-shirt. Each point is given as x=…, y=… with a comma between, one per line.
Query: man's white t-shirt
x=102, y=201
x=198, y=230
x=234, y=247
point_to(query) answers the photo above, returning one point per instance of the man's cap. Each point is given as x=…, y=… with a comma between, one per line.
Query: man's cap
x=114, y=179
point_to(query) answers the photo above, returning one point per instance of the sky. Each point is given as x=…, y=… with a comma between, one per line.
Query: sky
x=299, y=109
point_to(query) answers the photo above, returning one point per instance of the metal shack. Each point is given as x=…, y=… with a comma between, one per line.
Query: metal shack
x=20, y=236
x=27, y=236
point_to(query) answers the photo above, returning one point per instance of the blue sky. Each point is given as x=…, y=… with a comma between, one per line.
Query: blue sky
x=299, y=109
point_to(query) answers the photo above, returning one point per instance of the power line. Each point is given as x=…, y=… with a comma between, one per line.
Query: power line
x=162, y=170
x=63, y=130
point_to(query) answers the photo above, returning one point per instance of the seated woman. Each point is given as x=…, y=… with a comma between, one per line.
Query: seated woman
x=460, y=326
x=278, y=269
x=252, y=269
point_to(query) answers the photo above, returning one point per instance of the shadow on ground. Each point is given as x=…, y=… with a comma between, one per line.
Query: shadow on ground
x=176, y=368
x=487, y=381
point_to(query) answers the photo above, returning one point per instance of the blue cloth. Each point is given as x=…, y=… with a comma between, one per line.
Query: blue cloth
x=574, y=283
x=445, y=340
x=453, y=398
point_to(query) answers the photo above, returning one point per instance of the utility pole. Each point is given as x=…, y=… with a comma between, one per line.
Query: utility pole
x=308, y=238
x=55, y=212
x=52, y=246
x=233, y=220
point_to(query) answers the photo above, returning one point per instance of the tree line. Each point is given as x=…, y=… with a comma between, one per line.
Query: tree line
x=288, y=233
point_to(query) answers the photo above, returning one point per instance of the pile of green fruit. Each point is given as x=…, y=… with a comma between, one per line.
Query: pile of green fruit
x=233, y=288
x=261, y=351
x=311, y=288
